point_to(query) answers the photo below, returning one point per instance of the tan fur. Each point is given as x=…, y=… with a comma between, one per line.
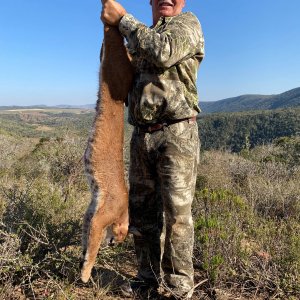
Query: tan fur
x=104, y=153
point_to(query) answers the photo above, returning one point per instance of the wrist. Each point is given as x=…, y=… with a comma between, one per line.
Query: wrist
x=121, y=17
x=127, y=25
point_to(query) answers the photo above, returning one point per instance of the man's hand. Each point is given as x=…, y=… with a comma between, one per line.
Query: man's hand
x=112, y=12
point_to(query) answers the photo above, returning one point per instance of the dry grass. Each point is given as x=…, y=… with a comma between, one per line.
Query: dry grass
x=246, y=211
x=248, y=225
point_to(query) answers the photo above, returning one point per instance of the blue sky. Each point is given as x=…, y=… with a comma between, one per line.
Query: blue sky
x=49, y=50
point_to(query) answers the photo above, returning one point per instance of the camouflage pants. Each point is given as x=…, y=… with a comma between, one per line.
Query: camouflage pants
x=162, y=180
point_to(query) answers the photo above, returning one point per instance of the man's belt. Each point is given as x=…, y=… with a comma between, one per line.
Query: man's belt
x=159, y=126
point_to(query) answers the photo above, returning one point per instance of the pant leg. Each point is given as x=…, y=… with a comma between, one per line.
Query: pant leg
x=145, y=208
x=177, y=173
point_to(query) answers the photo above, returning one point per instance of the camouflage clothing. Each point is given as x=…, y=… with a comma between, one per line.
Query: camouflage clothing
x=162, y=179
x=163, y=164
x=166, y=59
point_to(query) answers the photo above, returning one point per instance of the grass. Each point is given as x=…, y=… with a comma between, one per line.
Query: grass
x=246, y=212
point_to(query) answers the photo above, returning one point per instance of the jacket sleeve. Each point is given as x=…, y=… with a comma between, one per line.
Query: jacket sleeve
x=181, y=39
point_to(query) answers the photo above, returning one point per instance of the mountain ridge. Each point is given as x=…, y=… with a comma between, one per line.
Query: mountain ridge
x=288, y=99
x=247, y=102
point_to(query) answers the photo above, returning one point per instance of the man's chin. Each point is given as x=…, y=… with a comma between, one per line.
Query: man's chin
x=166, y=11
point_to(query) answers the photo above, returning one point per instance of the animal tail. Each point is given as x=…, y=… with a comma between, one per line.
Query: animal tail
x=94, y=229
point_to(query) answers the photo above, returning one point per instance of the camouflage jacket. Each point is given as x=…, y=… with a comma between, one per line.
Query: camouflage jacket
x=165, y=58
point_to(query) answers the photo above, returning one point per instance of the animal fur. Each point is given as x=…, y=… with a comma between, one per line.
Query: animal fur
x=104, y=154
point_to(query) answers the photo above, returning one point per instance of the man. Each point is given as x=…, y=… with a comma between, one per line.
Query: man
x=163, y=105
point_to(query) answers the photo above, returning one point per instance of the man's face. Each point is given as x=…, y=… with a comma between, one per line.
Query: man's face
x=166, y=8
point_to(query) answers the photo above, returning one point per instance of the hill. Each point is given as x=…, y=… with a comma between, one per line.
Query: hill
x=46, y=107
x=242, y=130
x=287, y=99
x=44, y=122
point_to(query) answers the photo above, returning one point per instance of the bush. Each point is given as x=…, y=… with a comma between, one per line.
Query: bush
x=247, y=214
x=43, y=196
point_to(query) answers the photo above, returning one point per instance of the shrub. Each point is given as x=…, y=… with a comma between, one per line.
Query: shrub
x=247, y=214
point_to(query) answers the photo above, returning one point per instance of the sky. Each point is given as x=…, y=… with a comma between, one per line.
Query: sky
x=49, y=50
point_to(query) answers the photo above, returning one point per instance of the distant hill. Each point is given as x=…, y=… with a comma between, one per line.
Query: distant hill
x=287, y=99
x=84, y=106
x=62, y=106
x=241, y=103
x=12, y=107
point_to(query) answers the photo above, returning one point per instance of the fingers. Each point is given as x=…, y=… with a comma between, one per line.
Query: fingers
x=112, y=12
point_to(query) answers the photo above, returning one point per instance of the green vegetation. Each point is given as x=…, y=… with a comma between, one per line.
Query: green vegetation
x=247, y=220
x=45, y=122
x=246, y=209
x=238, y=131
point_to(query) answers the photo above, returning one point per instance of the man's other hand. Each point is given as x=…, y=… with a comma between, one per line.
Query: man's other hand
x=112, y=12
